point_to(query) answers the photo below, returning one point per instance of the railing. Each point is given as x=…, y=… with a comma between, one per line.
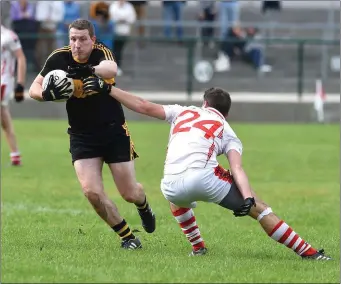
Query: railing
x=190, y=45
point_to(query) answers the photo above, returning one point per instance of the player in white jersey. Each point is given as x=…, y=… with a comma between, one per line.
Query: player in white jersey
x=191, y=173
x=11, y=52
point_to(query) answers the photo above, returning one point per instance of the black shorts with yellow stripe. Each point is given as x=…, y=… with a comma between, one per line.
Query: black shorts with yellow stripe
x=113, y=144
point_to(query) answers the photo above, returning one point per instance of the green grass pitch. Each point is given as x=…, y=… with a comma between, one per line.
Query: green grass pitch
x=51, y=234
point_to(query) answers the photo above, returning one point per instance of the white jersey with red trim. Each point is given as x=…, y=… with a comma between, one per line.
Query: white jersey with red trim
x=197, y=136
x=9, y=44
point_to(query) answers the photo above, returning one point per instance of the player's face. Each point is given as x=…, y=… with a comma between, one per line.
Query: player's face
x=81, y=43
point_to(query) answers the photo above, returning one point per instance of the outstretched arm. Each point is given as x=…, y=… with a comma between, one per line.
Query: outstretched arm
x=138, y=104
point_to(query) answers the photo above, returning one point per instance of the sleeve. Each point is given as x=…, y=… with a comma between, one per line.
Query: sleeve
x=14, y=43
x=58, y=11
x=132, y=15
x=172, y=112
x=105, y=53
x=52, y=62
x=231, y=141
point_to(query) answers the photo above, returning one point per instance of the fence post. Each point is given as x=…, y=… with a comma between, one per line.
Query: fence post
x=300, y=68
x=190, y=62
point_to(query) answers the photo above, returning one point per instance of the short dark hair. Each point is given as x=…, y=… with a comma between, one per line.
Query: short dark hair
x=218, y=99
x=82, y=24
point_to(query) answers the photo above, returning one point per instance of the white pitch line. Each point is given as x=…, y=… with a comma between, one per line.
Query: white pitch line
x=17, y=207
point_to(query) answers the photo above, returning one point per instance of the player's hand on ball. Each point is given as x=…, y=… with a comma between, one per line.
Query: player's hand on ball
x=95, y=86
x=244, y=210
x=80, y=71
x=19, y=93
x=54, y=92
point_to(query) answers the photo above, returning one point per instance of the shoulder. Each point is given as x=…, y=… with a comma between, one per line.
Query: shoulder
x=8, y=34
x=102, y=49
x=60, y=53
x=172, y=111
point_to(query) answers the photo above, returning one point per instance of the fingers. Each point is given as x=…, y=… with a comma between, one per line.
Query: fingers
x=51, y=81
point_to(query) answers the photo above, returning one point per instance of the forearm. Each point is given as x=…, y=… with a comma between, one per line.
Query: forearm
x=130, y=101
x=21, y=70
x=107, y=69
x=242, y=182
x=35, y=92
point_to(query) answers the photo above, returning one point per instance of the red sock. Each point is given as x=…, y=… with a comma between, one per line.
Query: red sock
x=15, y=158
x=283, y=234
x=186, y=220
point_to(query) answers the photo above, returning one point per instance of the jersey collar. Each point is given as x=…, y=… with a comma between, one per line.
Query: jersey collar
x=215, y=111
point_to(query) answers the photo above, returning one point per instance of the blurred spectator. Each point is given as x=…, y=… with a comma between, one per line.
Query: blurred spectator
x=140, y=10
x=23, y=22
x=104, y=27
x=172, y=12
x=122, y=13
x=244, y=43
x=207, y=15
x=95, y=5
x=71, y=13
x=49, y=14
x=228, y=15
x=22, y=10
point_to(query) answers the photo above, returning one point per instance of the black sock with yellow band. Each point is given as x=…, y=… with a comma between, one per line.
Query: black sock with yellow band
x=122, y=229
x=144, y=206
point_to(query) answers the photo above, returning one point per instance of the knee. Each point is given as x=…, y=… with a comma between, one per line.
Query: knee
x=132, y=194
x=260, y=210
x=92, y=193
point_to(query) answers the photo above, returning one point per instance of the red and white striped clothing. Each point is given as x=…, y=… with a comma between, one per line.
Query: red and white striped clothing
x=283, y=234
x=188, y=224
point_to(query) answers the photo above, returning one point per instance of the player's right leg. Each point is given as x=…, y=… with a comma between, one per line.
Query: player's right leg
x=7, y=126
x=89, y=173
x=187, y=222
x=173, y=189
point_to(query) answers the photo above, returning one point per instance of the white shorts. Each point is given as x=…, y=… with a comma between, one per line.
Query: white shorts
x=209, y=185
x=7, y=92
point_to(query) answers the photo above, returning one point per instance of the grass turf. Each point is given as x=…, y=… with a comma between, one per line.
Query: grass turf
x=51, y=234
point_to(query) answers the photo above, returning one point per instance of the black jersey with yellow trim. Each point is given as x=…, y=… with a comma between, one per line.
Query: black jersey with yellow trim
x=87, y=113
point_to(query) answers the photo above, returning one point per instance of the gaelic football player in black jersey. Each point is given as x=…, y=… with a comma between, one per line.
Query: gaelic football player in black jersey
x=98, y=131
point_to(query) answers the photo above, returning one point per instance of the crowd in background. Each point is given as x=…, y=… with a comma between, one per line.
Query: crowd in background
x=114, y=24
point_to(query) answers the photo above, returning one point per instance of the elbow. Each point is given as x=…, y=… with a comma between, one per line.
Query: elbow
x=30, y=93
x=235, y=169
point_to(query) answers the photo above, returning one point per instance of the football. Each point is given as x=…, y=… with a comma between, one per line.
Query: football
x=59, y=77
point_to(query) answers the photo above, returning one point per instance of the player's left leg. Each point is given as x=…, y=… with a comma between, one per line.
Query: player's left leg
x=281, y=232
x=119, y=154
x=7, y=126
x=132, y=192
x=275, y=228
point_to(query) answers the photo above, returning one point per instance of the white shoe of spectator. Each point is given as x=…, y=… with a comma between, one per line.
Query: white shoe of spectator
x=265, y=68
x=119, y=71
x=222, y=63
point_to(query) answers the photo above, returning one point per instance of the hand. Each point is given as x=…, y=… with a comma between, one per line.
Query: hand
x=19, y=93
x=54, y=92
x=95, y=85
x=80, y=72
x=245, y=208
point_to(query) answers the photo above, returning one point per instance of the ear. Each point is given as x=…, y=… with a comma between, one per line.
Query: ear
x=93, y=38
x=204, y=104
